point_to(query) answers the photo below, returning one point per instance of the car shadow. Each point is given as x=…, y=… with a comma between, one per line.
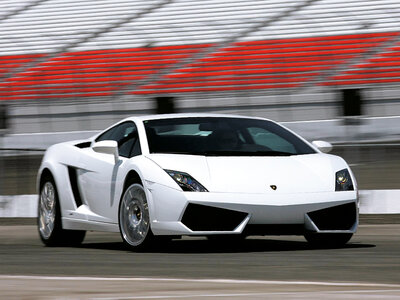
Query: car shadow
x=205, y=246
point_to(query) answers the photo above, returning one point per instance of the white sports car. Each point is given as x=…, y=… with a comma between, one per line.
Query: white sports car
x=195, y=174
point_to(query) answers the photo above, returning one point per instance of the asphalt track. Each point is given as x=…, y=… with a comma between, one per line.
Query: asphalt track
x=195, y=268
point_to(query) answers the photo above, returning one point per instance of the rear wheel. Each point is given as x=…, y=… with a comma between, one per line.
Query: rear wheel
x=328, y=240
x=49, y=218
x=134, y=218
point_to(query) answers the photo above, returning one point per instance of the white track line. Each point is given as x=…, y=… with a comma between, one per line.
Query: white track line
x=222, y=281
x=372, y=294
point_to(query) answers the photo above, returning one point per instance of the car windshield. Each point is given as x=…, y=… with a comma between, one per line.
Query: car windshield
x=222, y=136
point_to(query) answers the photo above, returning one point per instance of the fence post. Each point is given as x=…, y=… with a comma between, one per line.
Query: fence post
x=3, y=128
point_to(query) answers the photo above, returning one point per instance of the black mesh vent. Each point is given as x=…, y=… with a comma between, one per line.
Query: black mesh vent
x=341, y=217
x=206, y=218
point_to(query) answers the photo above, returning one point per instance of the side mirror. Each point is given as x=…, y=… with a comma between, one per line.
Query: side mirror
x=107, y=147
x=323, y=146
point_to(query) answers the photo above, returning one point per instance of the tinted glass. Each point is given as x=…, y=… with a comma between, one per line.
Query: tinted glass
x=126, y=136
x=222, y=136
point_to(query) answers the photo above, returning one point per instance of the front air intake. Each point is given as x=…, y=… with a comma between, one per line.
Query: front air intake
x=206, y=218
x=341, y=217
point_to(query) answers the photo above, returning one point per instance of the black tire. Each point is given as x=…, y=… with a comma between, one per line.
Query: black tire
x=328, y=240
x=49, y=223
x=134, y=218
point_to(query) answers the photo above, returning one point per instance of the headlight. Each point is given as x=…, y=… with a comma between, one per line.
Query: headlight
x=343, y=181
x=186, y=182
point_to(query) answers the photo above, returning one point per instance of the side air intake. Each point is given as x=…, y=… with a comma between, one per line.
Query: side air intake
x=73, y=178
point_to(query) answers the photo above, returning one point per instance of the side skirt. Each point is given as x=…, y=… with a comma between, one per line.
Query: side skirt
x=75, y=224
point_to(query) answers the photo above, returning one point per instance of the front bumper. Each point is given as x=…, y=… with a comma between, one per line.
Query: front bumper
x=189, y=213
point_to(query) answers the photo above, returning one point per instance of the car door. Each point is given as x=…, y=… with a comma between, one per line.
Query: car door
x=98, y=176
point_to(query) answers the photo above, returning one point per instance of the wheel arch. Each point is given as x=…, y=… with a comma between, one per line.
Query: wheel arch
x=132, y=177
x=54, y=171
x=45, y=172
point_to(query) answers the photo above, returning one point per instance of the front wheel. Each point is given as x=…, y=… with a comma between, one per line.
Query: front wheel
x=49, y=218
x=134, y=218
x=328, y=240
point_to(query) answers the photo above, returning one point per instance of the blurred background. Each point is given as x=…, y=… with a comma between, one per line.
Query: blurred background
x=328, y=69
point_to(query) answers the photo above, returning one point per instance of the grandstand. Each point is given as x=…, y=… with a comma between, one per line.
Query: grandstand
x=111, y=58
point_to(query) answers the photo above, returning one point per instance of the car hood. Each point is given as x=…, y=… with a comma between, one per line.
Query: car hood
x=288, y=174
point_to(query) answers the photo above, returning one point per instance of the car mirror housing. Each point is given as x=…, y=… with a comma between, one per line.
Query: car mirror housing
x=323, y=146
x=107, y=147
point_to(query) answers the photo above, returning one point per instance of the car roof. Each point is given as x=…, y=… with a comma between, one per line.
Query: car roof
x=187, y=115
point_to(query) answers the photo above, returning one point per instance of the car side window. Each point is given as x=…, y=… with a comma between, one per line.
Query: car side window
x=126, y=135
x=106, y=136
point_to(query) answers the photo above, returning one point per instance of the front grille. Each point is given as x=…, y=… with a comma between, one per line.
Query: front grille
x=341, y=217
x=206, y=218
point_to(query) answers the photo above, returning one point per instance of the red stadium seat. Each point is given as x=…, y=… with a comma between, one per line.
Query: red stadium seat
x=264, y=64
